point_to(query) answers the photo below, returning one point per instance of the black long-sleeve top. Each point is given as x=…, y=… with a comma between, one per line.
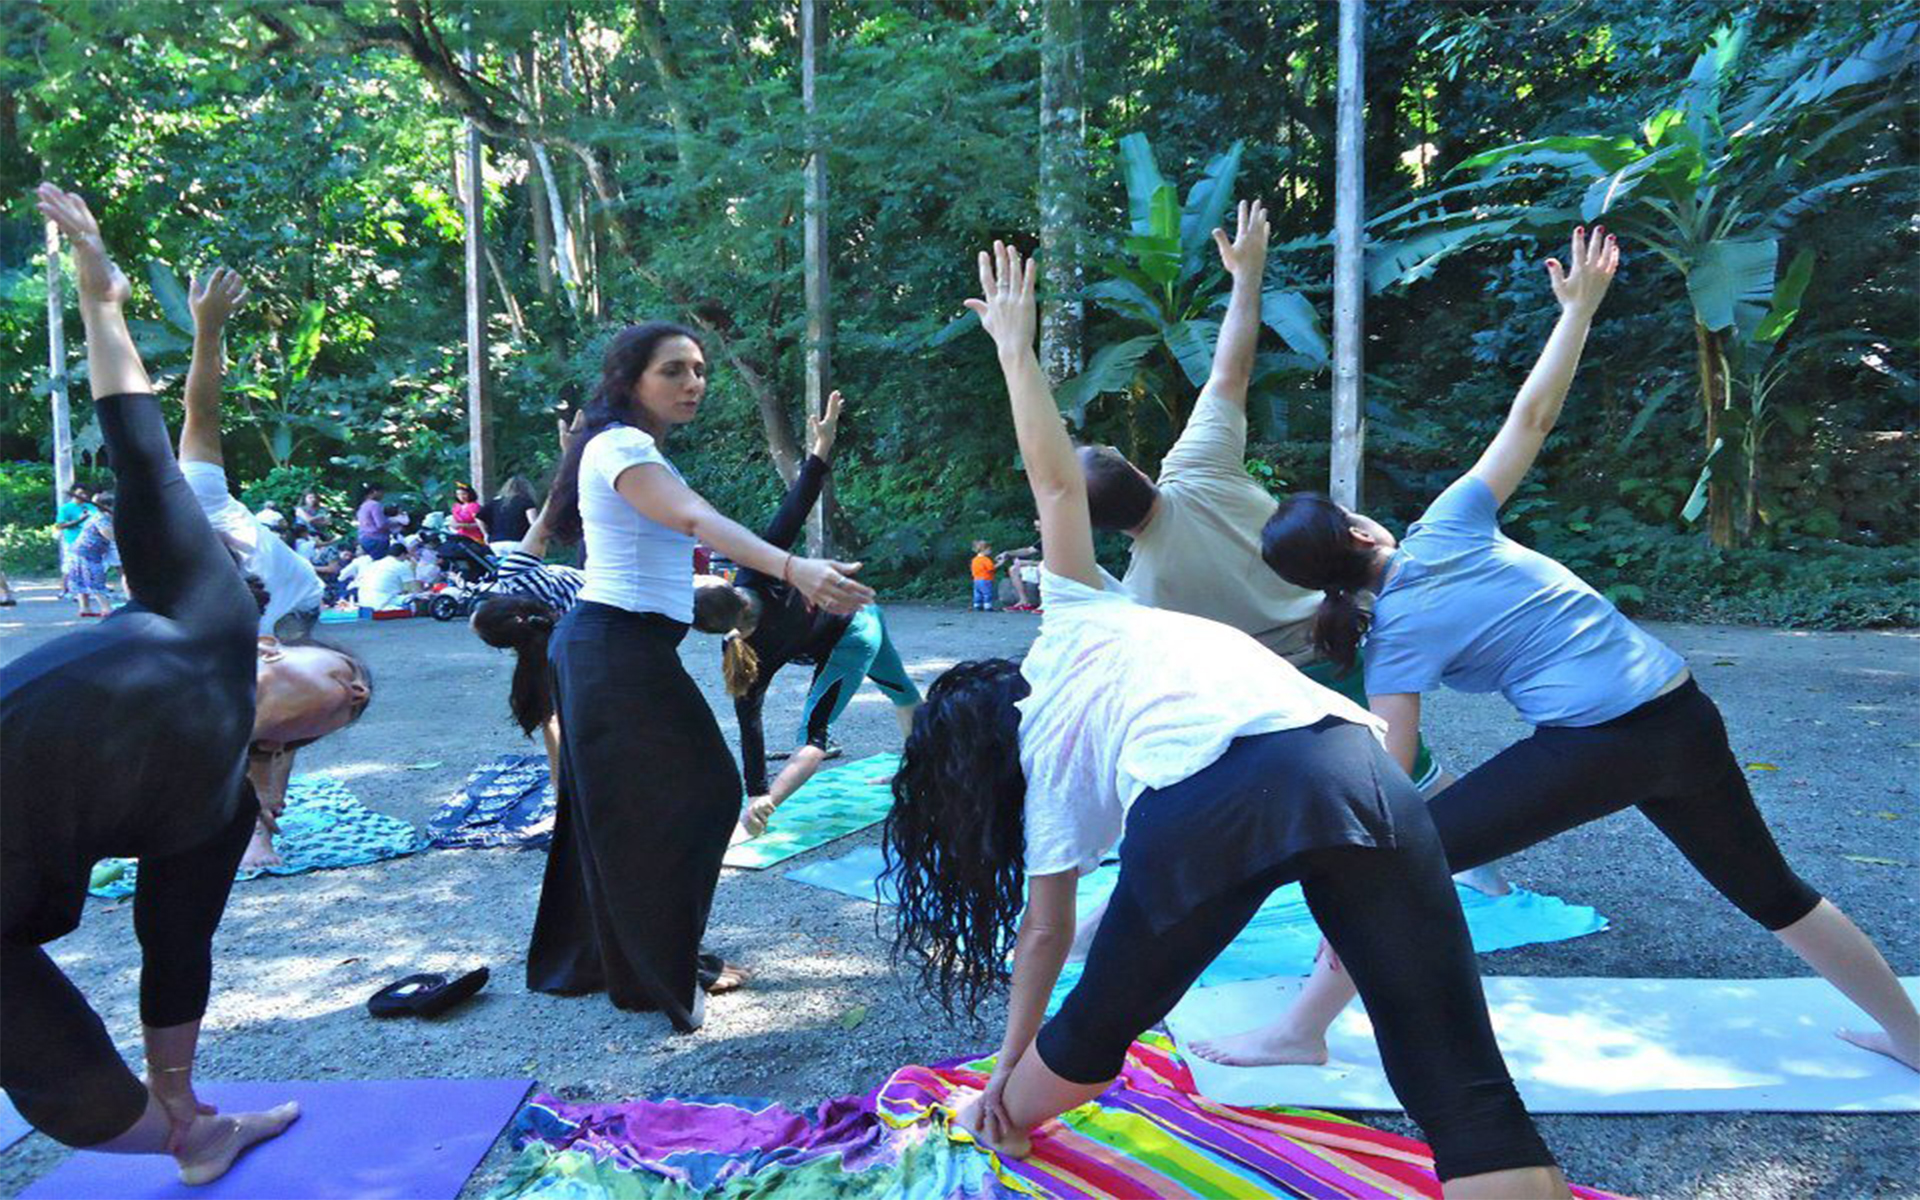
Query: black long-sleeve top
x=790, y=630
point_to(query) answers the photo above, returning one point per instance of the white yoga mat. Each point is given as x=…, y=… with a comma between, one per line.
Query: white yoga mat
x=1593, y=1046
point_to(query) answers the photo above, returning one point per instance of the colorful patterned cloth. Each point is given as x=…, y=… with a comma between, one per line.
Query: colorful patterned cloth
x=508, y=801
x=323, y=826
x=832, y=805
x=1149, y=1136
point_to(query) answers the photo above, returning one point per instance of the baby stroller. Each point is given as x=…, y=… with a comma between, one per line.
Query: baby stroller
x=473, y=574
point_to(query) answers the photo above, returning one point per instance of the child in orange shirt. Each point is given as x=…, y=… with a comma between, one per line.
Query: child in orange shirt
x=982, y=576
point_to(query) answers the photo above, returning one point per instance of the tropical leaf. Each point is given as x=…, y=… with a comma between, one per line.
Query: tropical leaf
x=1728, y=274
x=1143, y=180
x=1678, y=162
x=172, y=297
x=1294, y=318
x=1885, y=55
x=1786, y=300
x=1158, y=250
x=1207, y=204
x=1111, y=369
x=1654, y=402
x=1791, y=211
x=1414, y=258
x=1697, y=499
x=1588, y=155
x=1192, y=342
x=1127, y=298
x=307, y=339
x=1707, y=81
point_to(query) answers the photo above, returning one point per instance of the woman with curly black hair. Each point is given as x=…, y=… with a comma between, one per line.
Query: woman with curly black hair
x=1230, y=774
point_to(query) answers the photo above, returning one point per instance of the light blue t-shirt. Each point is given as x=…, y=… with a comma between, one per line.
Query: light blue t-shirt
x=1465, y=605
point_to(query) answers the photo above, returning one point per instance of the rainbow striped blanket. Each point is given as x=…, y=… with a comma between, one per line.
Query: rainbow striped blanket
x=1149, y=1136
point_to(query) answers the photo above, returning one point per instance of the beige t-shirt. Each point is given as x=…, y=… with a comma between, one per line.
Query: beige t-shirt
x=1201, y=553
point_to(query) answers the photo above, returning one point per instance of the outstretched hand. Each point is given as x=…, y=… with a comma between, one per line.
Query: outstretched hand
x=1594, y=257
x=829, y=585
x=213, y=297
x=1006, y=309
x=1247, y=252
x=101, y=282
x=824, y=428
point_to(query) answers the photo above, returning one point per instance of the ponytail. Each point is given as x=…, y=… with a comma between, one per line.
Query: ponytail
x=739, y=664
x=1309, y=543
x=523, y=625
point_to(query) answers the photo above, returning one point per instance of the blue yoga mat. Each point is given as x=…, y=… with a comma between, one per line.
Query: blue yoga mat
x=1282, y=938
x=13, y=1126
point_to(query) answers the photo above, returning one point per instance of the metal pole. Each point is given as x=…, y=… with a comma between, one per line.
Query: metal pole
x=479, y=432
x=57, y=372
x=1349, y=206
x=818, y=293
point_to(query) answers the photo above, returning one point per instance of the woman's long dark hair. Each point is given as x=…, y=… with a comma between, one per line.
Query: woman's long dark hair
x=626, y=359
x=1309, y=543
x=521, y=624
x=955, y=839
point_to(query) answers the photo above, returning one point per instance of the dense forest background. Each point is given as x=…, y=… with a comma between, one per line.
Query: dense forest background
x=646, y=159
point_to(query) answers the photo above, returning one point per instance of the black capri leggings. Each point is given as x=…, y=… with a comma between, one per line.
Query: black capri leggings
x=1394, y=919
x=1670, y=759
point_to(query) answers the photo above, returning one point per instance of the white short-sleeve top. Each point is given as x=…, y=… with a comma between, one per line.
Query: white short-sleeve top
x=1126, y=698
x=632, y=562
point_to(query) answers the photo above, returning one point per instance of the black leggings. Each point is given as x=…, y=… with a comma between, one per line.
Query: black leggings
x=1670, y=759
x=60, y=1066
x=1394, y=919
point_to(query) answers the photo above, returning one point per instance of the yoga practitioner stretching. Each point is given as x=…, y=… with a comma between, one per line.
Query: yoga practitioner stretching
x=648, y=790
x=768, y=625
x=1230, y=774
x=1618, y=718
x=176, y=687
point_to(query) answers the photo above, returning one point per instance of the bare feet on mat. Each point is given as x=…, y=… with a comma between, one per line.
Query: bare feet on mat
x=1880, y=1042
x=1267, y=1046
x=260, y=852
x=210, y=1154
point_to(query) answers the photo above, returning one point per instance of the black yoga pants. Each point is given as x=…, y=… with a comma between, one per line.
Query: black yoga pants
x=1670, y=759
x=57, y=1060
x=1394, y=919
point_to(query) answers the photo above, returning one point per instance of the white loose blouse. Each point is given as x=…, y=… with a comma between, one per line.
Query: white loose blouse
x=1126, y=698
x=633, y=562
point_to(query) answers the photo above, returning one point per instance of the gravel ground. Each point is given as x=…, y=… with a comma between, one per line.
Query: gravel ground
x=299, y=956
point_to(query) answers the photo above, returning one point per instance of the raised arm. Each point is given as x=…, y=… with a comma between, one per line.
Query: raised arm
x=1579, y=288
x=212, y=299
x=804, y=492
x=1245, y=258
x=1006, y=311
x=113, y=364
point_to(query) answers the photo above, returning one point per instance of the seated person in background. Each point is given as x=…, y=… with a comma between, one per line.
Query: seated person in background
x=386, y=582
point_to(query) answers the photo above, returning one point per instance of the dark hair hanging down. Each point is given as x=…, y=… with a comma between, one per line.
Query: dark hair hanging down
x=955, y=840
x=1309, y=543
x=521, y=624
x=1119, y=497
x=625, y=360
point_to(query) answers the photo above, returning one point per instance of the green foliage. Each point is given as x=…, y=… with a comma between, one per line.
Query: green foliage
x=29, y=544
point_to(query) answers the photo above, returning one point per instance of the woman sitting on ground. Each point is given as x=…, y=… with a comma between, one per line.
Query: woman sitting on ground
x=768, y=624
x=1618, y=717
x=1230, y=774
x=177, y=686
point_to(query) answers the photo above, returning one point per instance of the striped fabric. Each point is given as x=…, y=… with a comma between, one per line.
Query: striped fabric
x=1150, y=1136
x=557, y=587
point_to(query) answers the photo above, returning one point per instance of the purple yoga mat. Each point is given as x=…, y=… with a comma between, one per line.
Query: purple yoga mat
x=359, y=1138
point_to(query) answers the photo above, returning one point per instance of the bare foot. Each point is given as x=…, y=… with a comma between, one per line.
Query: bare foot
x=260, y=852
x=1486, y=880
x=1268, y=1046
x=1880, y=1042
x=212, y=1154
x=1018, y=1145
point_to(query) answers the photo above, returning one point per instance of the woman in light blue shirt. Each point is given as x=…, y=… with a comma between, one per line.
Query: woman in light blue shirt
x=1618, y=718
x=648, y=789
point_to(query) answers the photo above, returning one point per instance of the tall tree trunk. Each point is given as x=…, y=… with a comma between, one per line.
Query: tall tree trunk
x=536, y=188
x=516, y=316
x=1349, y=200
x=1716, y=387
x=563, y=233
x=473, y=206
x=1063, y=189
x=654, y=37
x=818, y=286
x=57, y=372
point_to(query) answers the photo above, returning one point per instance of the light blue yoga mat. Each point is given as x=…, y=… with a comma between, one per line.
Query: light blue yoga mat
x=833, y=804
x=13, y=1126
x=1282, y=938
x=323, y=826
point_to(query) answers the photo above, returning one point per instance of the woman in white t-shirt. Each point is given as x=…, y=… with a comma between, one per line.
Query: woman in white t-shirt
x=1230, y=774
x=648, y=788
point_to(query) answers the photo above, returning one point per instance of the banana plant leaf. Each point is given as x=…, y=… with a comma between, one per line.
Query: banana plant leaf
x=1727, y=275
x=1207, y=204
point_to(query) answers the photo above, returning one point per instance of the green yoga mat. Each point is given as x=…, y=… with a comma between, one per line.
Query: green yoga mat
x=832, y=805
x=323, y=826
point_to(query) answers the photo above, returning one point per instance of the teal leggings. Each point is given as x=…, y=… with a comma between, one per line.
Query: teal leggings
x=864, y=651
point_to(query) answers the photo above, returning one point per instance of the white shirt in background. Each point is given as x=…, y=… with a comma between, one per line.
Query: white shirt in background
x=632, y=562
x=1127, y=698
x=292, y=585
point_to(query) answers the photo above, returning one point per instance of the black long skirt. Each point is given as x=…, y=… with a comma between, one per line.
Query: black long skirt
x=648, y=795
